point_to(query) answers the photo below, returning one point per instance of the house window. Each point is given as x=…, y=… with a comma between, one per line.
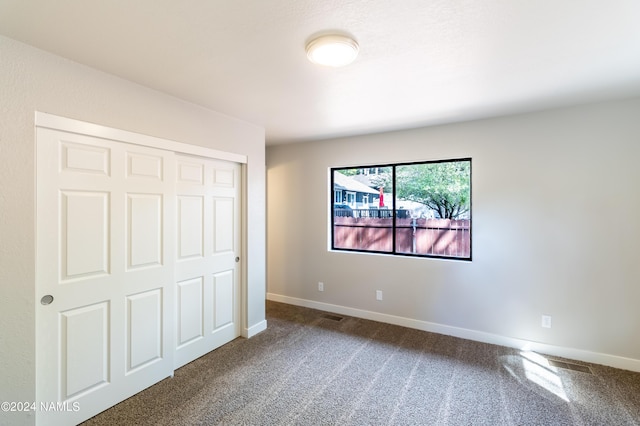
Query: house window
x=351, y=199
x=413, y=209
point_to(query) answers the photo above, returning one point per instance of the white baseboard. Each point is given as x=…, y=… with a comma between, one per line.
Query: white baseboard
x=480, y=336
x=254, y=329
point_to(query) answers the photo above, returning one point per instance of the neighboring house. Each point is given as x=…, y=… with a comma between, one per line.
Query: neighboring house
x=352, y=191
x=357, y=195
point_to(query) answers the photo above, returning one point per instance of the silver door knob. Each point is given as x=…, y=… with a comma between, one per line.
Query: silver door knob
x=237, y=259
x=46, y=299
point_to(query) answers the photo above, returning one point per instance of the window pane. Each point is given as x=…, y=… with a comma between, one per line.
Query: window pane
x=435, y=199
x=363, y=209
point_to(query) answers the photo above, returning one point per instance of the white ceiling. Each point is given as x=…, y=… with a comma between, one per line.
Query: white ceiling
x=421, y=62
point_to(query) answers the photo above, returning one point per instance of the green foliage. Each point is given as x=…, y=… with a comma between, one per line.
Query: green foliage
x=444, y=187
x=350, y=172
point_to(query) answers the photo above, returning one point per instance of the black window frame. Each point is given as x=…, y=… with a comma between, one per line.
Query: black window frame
x=395, y=209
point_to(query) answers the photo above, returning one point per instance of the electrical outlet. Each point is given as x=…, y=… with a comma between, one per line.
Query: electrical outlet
x=320, y=286
x=378, y=294
x=546, y=321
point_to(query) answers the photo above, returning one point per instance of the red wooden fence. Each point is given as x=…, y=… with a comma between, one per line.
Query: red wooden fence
x=439, y=237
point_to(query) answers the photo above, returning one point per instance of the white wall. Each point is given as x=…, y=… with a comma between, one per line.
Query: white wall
x=556, y=230
x=34, y=80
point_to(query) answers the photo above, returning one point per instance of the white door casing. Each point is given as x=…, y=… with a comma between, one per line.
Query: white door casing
x=106, y=251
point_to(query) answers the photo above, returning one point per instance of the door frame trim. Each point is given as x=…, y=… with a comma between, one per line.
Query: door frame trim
x=54, y=122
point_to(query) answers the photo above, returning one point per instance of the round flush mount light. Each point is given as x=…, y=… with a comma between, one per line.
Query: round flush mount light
x=332, y=50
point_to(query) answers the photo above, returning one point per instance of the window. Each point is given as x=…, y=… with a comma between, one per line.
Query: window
x=409, y=209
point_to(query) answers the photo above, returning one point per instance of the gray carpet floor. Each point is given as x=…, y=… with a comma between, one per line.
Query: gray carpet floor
x=311, y=368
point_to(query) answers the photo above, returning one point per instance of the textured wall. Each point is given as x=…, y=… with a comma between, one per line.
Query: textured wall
x=36, y=81
x=555, y=231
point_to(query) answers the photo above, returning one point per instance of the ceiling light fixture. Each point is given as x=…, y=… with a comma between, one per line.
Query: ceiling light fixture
x=332, y=50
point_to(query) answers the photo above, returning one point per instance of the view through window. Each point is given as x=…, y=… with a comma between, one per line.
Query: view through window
x=413, y=209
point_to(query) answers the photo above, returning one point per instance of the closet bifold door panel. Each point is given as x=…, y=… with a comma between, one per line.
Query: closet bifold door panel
x=136, y=267
x=104, y=285
x=207, y=256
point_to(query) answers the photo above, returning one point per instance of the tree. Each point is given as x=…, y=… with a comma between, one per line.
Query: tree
x=350, y=172
x=444, y=187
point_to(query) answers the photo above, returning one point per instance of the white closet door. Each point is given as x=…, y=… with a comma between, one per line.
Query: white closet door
x=207, y=253
x=105, y=268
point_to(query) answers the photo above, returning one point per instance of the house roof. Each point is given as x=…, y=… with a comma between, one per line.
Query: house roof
x=347, y=183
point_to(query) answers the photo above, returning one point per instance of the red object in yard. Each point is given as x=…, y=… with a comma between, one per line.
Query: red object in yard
x=381, y=204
